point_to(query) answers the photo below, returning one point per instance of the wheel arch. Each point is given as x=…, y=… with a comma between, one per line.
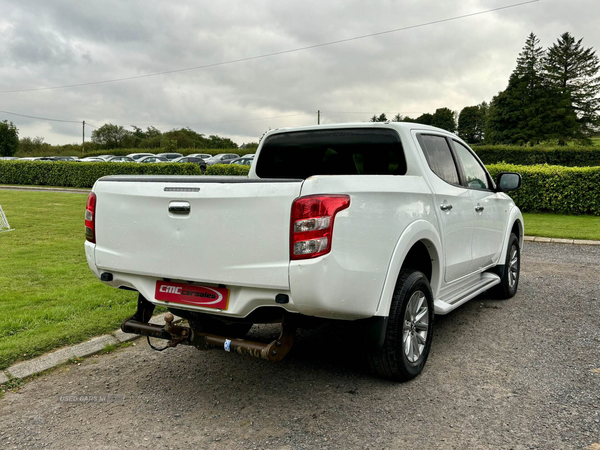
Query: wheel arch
x=418, y=237
x=516, y=225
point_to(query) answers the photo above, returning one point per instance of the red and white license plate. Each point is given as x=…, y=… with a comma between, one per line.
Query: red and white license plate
x=189, y=294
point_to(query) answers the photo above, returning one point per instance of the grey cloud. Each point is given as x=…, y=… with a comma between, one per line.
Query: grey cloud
x=452, y=64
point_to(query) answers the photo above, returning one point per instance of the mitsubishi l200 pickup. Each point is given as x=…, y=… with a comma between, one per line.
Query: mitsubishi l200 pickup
x=384, y=224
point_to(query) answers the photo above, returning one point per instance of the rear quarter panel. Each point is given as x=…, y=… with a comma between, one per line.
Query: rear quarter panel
x=348, y=282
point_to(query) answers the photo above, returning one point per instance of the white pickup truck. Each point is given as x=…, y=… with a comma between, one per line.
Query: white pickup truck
x=382, y=223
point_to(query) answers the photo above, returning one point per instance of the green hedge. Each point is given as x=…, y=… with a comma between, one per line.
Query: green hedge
x=555, y=189
x=84, y=175
x=581, y=156
x=564, y=190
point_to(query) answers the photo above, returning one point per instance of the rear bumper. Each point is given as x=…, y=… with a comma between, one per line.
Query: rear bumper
x=320, y=288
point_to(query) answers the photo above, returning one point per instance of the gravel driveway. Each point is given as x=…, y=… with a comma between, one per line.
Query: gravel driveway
x=502, y=374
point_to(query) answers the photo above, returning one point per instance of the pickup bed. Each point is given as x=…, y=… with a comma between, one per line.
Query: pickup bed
x=384, y=223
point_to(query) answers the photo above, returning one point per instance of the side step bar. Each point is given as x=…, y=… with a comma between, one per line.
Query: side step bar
x=488, y=280
x=175, y=335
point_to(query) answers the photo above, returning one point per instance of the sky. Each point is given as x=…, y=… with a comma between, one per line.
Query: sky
x=451, y=63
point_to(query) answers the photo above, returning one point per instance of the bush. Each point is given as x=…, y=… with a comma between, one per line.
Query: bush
x=227, y=169
x=581, y=156
x=84, y=175
x=555, y=189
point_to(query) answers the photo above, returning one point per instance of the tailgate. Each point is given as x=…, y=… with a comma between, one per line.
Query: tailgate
x=236, y=231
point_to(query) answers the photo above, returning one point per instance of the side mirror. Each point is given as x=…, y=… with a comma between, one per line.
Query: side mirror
x=508, y=181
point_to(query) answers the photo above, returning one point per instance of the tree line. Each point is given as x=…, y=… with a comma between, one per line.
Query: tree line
x=552, y=95
x=111, y=136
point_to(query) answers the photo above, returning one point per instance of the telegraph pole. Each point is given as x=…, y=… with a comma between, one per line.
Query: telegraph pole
x=319, y=117
x=83, y=141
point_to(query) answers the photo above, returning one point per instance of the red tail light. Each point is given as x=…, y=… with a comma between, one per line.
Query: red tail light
x=90, y=218
x=312, y=224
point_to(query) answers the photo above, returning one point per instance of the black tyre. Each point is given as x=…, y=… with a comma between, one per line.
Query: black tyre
x=509, y=281
x=207, y=324
x=409, y=329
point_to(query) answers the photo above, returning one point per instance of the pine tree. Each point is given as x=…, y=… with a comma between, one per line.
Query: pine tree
x=573, y=70
x=531, y=109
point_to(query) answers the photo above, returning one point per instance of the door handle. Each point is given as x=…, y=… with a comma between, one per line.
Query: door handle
x=479, y=208
x=179, y=207
x=445, y=207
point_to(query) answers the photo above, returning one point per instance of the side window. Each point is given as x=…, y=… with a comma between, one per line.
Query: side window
x=439, y=157
x=475, y=174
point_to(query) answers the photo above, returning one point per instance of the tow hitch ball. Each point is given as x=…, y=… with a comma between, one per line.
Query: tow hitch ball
x=175, y=335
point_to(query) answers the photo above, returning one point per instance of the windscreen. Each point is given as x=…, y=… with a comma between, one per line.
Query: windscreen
x=350, y=151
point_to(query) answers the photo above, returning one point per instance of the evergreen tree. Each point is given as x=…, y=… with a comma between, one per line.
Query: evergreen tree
x=9, y=138
x=444, y=118
x=573, y=70
x=470, y=124
x=531, y=109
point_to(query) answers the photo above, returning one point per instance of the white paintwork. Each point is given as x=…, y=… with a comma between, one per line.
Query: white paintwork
x=237, y=235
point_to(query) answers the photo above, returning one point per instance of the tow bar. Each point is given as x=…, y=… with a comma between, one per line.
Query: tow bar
x=175, y=335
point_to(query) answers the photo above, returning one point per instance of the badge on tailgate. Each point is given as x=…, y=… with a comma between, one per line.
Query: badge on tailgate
x=189, y=294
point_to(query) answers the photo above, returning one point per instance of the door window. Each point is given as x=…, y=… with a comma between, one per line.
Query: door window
x=476, y=175
x=439, y=157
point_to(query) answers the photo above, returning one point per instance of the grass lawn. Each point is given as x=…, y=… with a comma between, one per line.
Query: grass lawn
x=562, y=226
x=48, y=296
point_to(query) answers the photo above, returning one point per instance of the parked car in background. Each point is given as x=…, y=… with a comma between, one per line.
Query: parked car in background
x=170, y=156
x=192, y=159
x=120, y=159
x=152, y=159
x=222, y=158
x=204, y=156
x=105, y=157
x=28, y=158
x=91, y=159
x=136, y=156
x=243, y=161
x=8, y=158
x=54, y=158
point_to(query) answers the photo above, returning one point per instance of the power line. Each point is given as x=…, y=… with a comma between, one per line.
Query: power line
x=371, y=112
x=180, y=124
x=42, y=118
x=267, y=55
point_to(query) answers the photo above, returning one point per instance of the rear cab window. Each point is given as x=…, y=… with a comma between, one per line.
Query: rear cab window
x=346, y=151
x=439, y=157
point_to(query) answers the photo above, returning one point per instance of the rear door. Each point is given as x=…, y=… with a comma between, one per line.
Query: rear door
x=453, y=205
x=218, y=230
